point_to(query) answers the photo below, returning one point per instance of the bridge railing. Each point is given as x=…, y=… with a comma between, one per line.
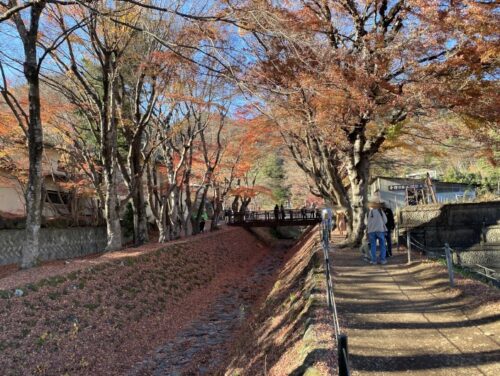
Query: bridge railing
x=271, y=215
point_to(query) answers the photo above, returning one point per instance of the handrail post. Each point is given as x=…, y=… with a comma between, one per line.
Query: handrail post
x=343, y=355
x=449, y=263
x=397, y=236
x=408, y=245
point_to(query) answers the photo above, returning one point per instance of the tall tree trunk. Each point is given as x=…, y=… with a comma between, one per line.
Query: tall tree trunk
x=34, y=196
x=175, y=222
x=112, y=212
x=161, y=222
x=358, y=173
x=138, y=200
x=140, y=218
x=217, y=209
x=109, y=153
x=235, y=204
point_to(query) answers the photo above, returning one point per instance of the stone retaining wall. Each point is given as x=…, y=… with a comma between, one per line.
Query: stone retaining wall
x=450, y=215
x=486, y=257
x=55, y=243
x=461, y=225
x=293, y=332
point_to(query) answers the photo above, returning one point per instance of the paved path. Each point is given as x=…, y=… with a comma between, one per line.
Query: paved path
x=404, y=321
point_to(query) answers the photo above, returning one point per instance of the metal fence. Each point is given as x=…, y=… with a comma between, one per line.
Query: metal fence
x=446, y=253
x=340, y=338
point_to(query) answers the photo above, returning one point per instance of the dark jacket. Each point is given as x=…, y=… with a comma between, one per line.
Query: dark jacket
x=390, y=219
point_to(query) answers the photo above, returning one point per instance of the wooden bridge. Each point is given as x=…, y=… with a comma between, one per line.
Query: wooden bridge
x=270, y=218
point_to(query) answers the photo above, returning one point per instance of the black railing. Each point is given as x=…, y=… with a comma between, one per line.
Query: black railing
x=270, y=217
x=340, y=338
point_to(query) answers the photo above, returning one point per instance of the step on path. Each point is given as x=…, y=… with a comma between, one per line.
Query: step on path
x=398, y=325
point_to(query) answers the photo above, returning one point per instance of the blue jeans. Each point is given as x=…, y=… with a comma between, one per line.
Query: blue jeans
x=373, y=236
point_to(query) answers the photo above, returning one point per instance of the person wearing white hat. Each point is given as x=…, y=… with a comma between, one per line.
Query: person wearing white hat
x=376, y=228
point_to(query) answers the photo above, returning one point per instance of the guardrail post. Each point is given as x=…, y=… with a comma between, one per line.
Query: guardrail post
x=408, y=245
x=397, y=236
x=343, y=355
x=449, y=263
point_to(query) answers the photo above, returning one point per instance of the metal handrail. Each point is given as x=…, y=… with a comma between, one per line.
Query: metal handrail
x=340, y=339
x=448, y=256
x=269, y=215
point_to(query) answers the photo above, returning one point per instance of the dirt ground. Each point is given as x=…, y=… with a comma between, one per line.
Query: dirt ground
x=406, y=320
x=102, y=315
x=12, y=276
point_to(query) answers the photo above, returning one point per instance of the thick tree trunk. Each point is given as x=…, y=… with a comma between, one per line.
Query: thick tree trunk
x=140, y=218
x=112, y=212
x=34, y=196
x=175, y=222
x=35, y=175
x=358, y=173
x=138, y=199
x=244, y=205
x=109, y=153
x=161, y=222
x=235, y=204
x=217, y=210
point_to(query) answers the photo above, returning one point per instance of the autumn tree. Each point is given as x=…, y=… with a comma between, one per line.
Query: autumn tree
x=150, y=74
x=339, y=77
x=91, y=85
x=26, y=19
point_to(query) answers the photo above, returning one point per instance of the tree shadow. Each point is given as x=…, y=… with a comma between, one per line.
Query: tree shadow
x=370, y=325
x=295, y=319
x=422, y=362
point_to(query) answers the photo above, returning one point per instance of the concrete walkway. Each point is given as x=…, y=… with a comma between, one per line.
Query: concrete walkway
x=405, y=321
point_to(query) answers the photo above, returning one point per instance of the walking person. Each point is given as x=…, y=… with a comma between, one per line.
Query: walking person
x=282, y=210
x=204, y=218
x=327, y=217
x=377, y=229
x=390, y=228
x=341, y=222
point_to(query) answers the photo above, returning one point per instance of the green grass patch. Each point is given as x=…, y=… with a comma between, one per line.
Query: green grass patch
x=40, y=341
x=31, y=287
x=129, y=261
x=54, y=295
x=52, y=281
x=91, y=306
x=5, y=294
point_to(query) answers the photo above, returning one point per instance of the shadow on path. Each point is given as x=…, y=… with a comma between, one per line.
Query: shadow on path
x=423, y=362
x=406, y=320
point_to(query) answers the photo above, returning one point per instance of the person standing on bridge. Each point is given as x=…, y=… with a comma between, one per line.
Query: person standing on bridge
x=282, y=210
x=276, y=212
x=376, y=228
x=303, y=212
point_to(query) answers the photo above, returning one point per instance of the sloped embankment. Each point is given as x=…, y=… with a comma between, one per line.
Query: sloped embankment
x=102, y=320
x=291, y=333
